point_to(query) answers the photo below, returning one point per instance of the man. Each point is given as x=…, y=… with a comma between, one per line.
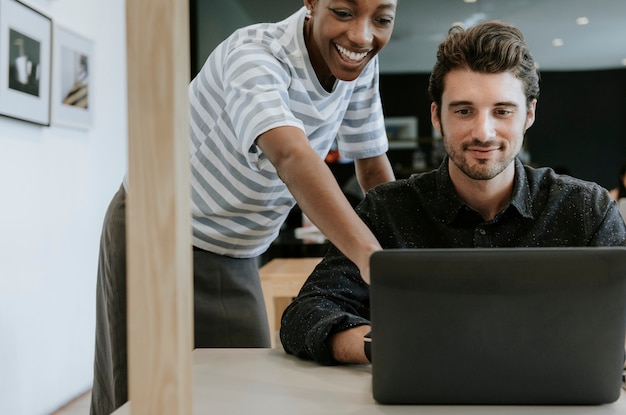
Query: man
x=484, y=88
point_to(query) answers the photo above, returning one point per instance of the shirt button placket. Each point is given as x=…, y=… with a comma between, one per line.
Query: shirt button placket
x=481, y=237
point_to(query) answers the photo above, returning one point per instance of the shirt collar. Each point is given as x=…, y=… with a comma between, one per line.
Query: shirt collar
x=521, y=198
x=451, y=205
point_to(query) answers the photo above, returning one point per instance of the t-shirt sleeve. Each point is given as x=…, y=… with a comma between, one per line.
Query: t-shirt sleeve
x=257, y=99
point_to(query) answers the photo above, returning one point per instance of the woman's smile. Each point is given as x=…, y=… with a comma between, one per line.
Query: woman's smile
x=352, y=56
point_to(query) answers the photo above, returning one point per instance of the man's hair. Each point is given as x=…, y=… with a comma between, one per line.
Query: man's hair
x=489, y=47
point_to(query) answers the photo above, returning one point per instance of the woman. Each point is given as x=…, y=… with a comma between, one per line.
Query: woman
x=265, y=110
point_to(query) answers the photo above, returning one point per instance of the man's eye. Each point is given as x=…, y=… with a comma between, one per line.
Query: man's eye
x=464, y=111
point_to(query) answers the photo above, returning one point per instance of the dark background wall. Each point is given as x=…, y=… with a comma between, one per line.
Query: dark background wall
x=580, y=124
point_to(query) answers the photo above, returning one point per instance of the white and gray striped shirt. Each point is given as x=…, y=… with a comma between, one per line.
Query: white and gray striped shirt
x=258, y=79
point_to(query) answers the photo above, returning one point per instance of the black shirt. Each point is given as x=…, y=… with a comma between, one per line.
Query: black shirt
x=424, y=211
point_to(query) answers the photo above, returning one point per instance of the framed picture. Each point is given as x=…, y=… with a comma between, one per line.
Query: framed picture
x=401, y=131
x=25, y=59
x=71, y=86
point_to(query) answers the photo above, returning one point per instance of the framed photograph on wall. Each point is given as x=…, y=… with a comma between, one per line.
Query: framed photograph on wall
x=25, y=60
x=71, y=86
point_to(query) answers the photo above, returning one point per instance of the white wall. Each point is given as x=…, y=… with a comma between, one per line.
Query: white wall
x=56, y=183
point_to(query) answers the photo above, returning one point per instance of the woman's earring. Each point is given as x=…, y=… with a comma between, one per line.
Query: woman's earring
x=308, y=14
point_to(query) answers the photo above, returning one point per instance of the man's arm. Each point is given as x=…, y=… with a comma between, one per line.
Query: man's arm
x=332, y=300
x=348, y=346
x=319, y=196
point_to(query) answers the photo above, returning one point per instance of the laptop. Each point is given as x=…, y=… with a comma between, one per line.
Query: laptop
x=532, y=326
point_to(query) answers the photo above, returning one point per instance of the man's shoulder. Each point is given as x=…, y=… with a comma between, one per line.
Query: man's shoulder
x=417, y=180
x=545, y=178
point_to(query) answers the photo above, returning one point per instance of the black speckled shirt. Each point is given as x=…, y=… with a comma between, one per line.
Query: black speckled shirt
x=424, y=211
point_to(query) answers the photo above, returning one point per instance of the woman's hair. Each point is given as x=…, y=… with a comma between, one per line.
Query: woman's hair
x=489, y=47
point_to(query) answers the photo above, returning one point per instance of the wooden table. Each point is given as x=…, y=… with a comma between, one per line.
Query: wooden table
x=281, y=280
x=268, y=381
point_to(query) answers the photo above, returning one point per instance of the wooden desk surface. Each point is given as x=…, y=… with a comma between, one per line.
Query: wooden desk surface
x=268, y=381
x=288, y=267
x=286, y=275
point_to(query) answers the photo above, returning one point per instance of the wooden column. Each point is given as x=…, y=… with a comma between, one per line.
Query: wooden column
x=160, y=283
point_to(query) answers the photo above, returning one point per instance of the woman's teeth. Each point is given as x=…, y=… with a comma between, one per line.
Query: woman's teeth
x=351, y=55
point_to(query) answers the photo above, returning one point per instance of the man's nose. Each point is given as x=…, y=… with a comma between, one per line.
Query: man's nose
x=484, y=127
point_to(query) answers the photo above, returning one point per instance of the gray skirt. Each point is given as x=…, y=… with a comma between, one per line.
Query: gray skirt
x=229, y=310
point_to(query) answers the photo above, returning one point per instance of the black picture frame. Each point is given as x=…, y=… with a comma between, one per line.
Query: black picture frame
x=25, y=63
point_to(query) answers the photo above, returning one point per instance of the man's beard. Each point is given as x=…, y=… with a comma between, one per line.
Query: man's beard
x=481, y=169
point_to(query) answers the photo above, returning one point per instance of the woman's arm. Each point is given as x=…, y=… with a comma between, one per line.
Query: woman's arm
x=314, y=187
x=373, y=171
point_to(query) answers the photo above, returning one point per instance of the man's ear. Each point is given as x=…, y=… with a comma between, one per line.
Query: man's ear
x=434, y=117
x=530, y=114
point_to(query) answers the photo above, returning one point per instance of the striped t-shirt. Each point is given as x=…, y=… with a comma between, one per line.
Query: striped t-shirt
x=258, y=79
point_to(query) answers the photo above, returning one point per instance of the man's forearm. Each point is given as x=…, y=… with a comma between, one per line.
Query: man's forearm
x=348, y=347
